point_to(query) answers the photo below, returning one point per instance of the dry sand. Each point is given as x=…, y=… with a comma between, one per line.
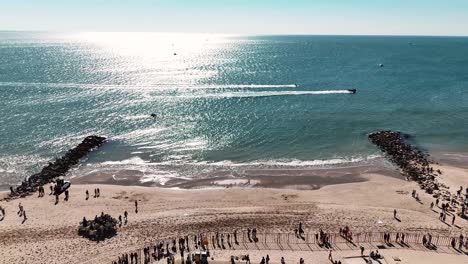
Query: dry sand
x=49, y=235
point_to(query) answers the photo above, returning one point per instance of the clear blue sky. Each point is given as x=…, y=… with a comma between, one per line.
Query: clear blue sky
x=387, y=17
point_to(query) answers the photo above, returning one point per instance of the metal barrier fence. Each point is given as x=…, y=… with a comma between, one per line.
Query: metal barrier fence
x=289, y=241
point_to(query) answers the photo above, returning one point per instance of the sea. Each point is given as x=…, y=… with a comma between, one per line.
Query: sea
x=223, y=101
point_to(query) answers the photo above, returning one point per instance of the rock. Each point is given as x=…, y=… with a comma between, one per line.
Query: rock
x=58, y=168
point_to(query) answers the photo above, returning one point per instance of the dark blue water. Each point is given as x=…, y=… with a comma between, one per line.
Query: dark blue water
x=223, y=100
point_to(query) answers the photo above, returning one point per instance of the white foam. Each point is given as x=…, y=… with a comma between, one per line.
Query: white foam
x=161, y=177
x=131, y=161
x=136, y=117
x=236, y=182
x=277, y=163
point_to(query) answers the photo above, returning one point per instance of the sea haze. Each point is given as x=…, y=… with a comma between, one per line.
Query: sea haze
x=224, y=101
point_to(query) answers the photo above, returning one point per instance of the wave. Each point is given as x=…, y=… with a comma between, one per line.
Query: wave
x=161, y=172
x=130, y=161
x=261, y=163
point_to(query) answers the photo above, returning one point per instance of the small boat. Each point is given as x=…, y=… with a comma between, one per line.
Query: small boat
x=353, y=91
x=153, y=115
x=381, y=65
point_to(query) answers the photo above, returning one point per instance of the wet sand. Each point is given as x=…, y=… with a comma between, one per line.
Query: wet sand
x=287, y=178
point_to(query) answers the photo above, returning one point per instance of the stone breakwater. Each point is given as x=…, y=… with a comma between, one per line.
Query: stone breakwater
x=415, y=165
x=412, y=162
x=57, y=168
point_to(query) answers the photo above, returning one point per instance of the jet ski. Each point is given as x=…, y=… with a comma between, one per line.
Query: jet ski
x=353, y=91
x=61, y=186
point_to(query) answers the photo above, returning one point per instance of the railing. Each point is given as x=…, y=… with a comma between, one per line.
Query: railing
x=306, y=242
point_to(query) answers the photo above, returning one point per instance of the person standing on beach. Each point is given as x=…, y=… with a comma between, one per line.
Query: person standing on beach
x=267, y=259
x=125, y=217
x=136, y=207
x=20, y=212
x=362, y=251
x=282, y=260
x=66, y=195
x=395, y=213
x=98, y=192
x=87, y=195
x=453, y=219
x=2, y=213
x=330, y=257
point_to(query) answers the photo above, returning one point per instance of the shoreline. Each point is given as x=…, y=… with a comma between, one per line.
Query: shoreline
x=292, y=177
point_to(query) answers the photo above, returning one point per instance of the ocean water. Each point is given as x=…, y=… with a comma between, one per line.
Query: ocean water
x=223, y=101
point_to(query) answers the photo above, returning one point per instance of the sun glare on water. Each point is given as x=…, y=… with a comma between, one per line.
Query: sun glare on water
x=159, y=58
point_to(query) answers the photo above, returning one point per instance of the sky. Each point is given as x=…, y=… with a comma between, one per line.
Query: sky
x=247, y=17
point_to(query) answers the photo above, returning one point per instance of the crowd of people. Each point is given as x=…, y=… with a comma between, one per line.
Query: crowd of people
x=167, y=249
x=102, y=227
x=461, y=242
x=202, y=243
x=323, y=239
x=415, y=165
x=346, y=233
x=57, y=168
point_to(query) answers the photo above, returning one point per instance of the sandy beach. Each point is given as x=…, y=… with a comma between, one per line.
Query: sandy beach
x=364, y=202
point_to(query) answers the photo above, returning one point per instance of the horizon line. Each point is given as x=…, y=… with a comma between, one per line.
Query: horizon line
x=232, y=34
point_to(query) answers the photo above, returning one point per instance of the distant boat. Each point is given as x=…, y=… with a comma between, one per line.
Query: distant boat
x=381, y=65
x=153, y=115
x=175, y=53
x=353, y=91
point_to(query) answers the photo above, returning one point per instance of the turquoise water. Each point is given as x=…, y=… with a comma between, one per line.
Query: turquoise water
x=223, y=100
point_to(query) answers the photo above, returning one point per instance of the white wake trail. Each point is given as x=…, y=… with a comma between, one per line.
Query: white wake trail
x=264, y=94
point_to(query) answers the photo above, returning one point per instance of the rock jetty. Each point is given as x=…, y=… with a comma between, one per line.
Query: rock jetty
x=412, y=162
x=57, y=168
x=416, y=166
